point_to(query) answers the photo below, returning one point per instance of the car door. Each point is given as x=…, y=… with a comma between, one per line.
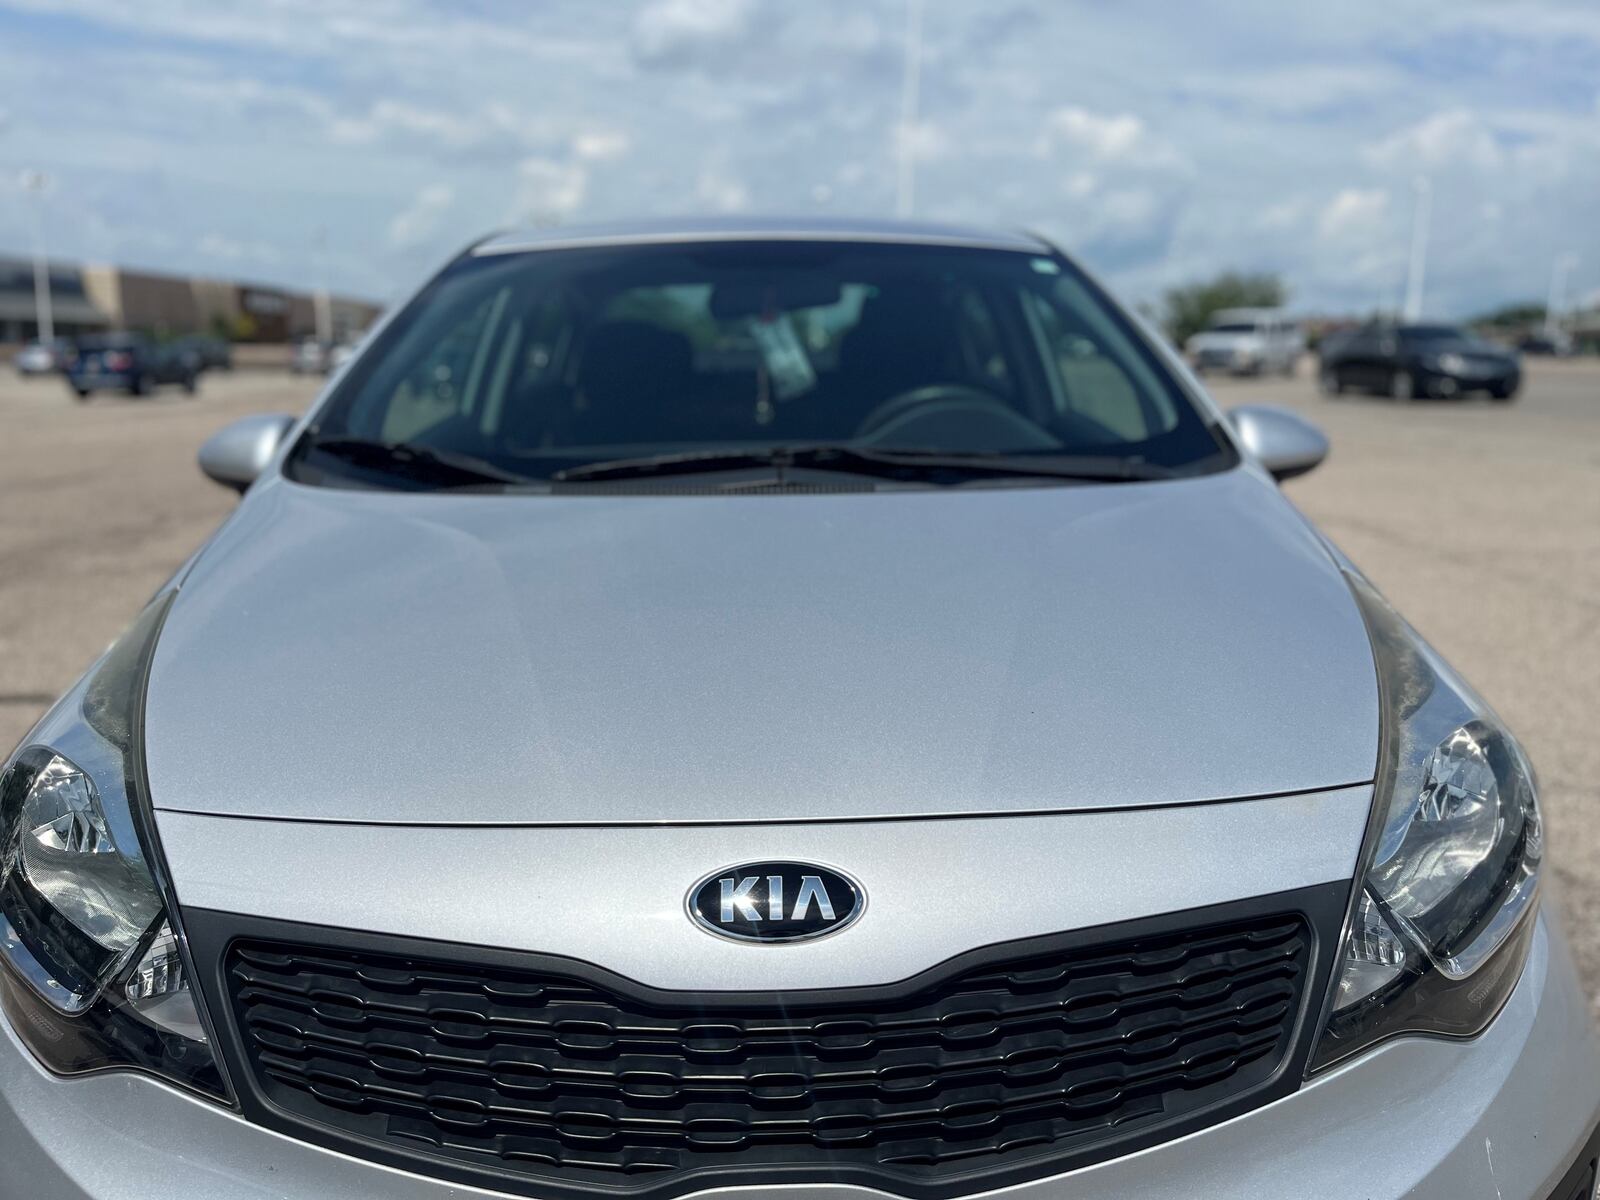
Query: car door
x=1385, y=360
x=1368, y=358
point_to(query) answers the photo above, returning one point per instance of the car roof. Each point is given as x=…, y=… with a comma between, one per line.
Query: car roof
x=714, y=229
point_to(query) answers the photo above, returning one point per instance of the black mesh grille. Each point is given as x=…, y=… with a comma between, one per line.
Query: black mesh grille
x=539, y=1073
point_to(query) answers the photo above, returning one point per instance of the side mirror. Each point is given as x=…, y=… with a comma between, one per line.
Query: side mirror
x=1284, y=442
x=236, y=454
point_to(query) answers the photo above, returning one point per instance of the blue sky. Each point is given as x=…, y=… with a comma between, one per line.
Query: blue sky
x=364, y=140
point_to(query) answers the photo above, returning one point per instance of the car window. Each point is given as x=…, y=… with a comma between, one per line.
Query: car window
x=534, y=362
x=444, y=382
x=1412, y=334
x=1093, y=383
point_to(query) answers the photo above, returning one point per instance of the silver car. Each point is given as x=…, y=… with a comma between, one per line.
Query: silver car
x=814, y=710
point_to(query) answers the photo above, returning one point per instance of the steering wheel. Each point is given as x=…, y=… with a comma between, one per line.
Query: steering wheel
x=946, y=400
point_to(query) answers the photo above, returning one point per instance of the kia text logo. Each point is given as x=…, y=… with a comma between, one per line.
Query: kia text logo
x=775, y=901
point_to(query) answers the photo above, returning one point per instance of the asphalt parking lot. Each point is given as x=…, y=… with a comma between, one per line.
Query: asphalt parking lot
x=1481, y=522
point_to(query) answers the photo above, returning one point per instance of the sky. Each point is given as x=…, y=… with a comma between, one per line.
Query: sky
x=359, y=143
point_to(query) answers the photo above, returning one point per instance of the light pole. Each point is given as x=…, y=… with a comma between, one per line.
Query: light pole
x=910, y=94
x=321, y=302
x=1418, y=263
x=38, y=183
x=1558, y=291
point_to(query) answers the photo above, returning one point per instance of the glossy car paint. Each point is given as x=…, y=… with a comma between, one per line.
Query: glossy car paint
x=1039, y=874
x=757, y=658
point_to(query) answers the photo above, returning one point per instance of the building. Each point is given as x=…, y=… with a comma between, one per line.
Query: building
x=72, y=310
x=95, y=297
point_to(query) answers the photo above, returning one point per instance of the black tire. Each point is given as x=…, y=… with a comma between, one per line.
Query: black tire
x=190, y=382
x=140, y=385
x=1331, y=381
x=1503, y=393
x=81, y=393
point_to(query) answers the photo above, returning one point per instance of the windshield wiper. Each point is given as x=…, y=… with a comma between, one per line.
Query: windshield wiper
x=911, y=463
x=422, y=464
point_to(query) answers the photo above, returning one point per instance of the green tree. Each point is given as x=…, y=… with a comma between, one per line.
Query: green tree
x=1526, y=313
x=1186, y=310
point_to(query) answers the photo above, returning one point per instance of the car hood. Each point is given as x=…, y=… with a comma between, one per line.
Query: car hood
x=471, y=659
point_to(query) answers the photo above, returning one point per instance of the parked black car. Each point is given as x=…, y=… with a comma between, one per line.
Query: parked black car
x=1552, y=342
x=214, y=353
x=1412, y=361
x=131, y=363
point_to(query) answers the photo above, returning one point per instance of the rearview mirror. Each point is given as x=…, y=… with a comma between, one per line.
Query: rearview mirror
x=1283, y=442
x=758, y=297
x=236, y=454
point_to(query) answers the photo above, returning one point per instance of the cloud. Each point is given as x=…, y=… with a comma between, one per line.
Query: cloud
x=1353, y=211
x=1159, y=151
x=670, y=33
x=1285, y=214
x=601, y=145
x=1113, y=137
x=409, y=124
x=417, y=222
x=231, y=250
x=547, y=191
x=719, y=191
x=1451, y=139
x=925, y=140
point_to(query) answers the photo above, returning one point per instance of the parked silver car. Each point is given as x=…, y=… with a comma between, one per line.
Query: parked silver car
x=1248, y=341
x=766, y=705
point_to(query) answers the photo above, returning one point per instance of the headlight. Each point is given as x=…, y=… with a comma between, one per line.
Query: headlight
x=1444, y=912
x=1454, y=364
x=94, y=973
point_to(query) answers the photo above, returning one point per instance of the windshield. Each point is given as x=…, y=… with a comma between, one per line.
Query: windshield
x=536, y=365
x=1434, y=333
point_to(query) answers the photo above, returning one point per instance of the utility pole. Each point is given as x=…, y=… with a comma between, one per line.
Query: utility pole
x=910, y=96
x=1417, y=267
x=37, y=182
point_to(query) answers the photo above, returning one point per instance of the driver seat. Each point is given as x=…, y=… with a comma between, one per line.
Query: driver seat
x=904, y=339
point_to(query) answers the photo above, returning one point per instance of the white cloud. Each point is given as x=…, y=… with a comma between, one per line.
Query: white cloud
x=1080, y=184
x=1352, y=212
x=601, y=145
x=1106, y=137
x=387, y=118
x=548, y=191
x=218, y=246
x=1285, y=214
x=1450, y=139
x=418, y=220
x=1159, y=151
x=684, y=32
x=925, y=140
x=719, y=191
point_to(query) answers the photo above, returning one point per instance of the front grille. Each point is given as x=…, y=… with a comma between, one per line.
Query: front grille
x=567, y=1074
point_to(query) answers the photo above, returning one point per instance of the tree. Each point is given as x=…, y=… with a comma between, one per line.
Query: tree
x=1526, y=313
x=1189, y=308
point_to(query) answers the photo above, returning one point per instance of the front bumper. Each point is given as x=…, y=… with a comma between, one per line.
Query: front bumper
x=1434, y=382
x=1509, y=1116
x=100, y=381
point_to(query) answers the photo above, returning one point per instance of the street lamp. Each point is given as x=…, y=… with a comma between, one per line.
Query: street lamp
x=910, y=89
x=1418, y=263
x=38, y=183
x=1558, y=291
